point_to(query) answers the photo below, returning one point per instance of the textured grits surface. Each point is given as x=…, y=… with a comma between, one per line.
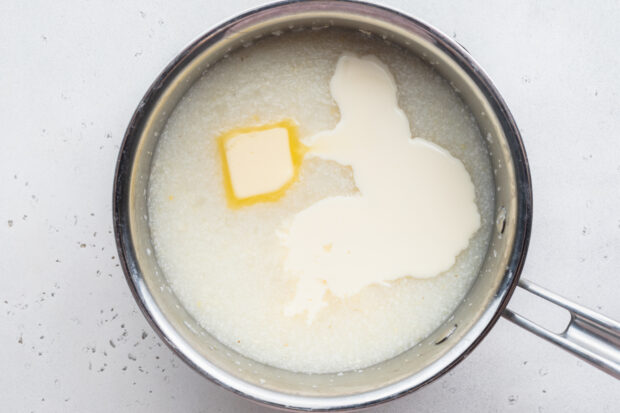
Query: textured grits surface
x=226, y=264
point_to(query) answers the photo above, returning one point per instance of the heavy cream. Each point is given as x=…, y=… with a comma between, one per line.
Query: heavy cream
x=415, y=210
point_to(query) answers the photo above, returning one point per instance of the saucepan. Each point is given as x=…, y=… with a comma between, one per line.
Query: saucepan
x=590, y=336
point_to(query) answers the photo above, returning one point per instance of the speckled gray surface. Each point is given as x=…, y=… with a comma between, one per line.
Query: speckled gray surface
x=71, y=74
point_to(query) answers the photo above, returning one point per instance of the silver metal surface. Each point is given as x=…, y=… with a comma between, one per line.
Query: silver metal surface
x=436, y=354
x=589, y=335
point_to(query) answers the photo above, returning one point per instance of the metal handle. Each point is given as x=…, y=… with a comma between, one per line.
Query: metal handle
x=589, y=335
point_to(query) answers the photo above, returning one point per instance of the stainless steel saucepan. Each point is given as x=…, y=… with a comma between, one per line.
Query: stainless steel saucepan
x=590, y=336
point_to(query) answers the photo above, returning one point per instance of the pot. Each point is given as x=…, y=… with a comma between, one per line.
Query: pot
x=589, y=335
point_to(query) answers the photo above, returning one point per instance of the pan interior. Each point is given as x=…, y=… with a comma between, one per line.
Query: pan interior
x=414, y=367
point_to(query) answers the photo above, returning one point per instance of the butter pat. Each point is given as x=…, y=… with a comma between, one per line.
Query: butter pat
x=259, y=163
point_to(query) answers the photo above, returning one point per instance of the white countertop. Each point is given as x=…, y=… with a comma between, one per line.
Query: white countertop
x=71, y=74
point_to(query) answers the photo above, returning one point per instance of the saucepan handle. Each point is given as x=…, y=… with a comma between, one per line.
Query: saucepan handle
x=589, y=335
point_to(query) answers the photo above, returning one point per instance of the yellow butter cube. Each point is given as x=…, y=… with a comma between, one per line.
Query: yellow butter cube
x=260, y=162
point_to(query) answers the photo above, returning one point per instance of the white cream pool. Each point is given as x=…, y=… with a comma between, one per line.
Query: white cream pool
x=226, y=265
